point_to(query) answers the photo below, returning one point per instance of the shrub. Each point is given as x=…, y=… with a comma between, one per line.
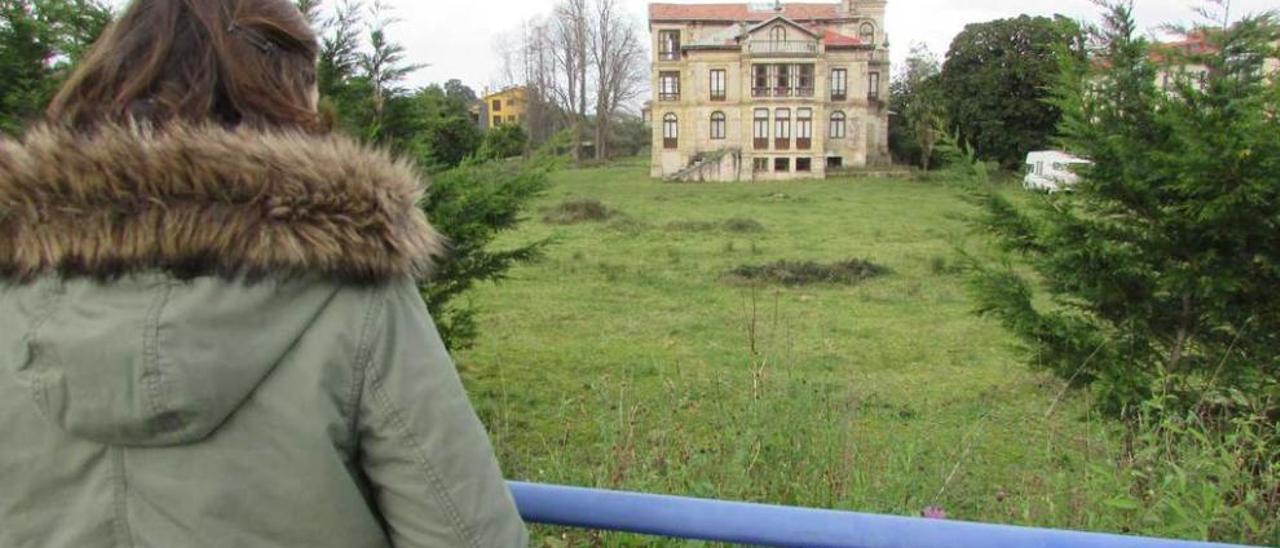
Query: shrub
x=505, y=141
x=579, y=211
x=789, y=273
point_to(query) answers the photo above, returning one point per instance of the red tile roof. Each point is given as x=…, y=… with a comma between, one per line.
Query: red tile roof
x=740, y=12
x=833, y=38
x=1196, y=43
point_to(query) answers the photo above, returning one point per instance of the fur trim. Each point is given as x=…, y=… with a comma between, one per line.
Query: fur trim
x=197, y=201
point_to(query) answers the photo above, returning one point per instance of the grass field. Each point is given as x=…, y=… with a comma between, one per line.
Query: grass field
x=627, y=359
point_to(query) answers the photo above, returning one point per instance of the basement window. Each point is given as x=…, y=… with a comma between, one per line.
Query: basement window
x=782, y=165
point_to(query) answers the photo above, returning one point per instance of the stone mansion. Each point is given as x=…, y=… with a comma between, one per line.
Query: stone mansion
x=768, y=91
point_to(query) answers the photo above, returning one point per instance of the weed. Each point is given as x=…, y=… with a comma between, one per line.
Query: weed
x=742, y=225
x=730, y=247
x=939, y=266
x=612, y=272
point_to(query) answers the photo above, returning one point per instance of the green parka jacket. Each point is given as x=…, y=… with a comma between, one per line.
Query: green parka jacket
x=213, y=337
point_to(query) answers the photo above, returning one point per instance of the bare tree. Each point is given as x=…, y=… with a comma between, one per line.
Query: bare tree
x=586, y=57
x=528, y=60
x=619, y=55
x=571, y=35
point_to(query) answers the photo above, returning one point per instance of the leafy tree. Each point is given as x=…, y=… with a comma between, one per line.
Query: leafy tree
x=473, y=204
x=460, y=93
x=916, y=95
x=997, y=79
x=39, y=41
x=448, y=135
x=506, y=141
x=1159, y=274
x=631, y=135
x=361, y=75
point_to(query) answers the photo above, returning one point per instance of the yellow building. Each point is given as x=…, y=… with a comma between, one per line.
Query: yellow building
x=768, y=90
x=502, y=108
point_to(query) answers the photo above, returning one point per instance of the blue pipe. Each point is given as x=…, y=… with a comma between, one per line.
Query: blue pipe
x=765, y=525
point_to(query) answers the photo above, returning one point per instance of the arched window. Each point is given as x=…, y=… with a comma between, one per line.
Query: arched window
x=717, y=125
x=867, y=33
x=670, y=131
x=839, y=125
x=782, y=129
x=778, y=33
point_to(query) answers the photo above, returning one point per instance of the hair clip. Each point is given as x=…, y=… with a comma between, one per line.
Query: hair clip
x=256, y=40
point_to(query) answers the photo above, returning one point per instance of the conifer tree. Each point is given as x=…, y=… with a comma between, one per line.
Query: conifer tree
x=1160, y=273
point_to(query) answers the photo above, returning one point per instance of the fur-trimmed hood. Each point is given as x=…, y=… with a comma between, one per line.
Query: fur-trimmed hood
x=206, y=201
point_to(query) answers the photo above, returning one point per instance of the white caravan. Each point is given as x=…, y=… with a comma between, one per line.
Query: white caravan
x=1052, y=171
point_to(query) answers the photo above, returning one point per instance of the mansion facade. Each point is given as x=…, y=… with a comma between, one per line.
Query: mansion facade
x=768, y=91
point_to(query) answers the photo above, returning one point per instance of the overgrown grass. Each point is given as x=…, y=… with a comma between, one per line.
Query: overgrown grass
x=621, y=362
x=798, y=273
x=578, y=211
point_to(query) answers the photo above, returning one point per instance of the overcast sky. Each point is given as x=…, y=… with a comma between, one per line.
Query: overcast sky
x=459, y=38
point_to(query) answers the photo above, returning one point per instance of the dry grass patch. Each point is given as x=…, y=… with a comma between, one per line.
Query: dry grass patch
x=797, y=273
x=579, y=211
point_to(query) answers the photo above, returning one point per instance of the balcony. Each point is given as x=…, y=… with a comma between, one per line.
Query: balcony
x=782, y=92
x=783, y=48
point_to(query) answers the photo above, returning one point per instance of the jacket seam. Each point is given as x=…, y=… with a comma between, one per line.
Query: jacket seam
x=37, y=385
x=363, y=358
x=120, y=504
x=424, y=462
x=151, y=373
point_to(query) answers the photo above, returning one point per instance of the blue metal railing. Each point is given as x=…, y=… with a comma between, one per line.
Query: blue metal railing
x=765, y=525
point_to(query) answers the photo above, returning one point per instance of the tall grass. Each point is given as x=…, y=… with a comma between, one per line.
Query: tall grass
x=622, y=362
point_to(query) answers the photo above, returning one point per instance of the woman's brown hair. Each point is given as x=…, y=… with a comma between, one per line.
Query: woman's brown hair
x=230, y=62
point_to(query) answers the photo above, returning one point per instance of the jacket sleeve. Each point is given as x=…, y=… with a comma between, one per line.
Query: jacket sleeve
x=431, y=468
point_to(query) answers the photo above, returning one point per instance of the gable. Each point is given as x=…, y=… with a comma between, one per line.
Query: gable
x=791, y=29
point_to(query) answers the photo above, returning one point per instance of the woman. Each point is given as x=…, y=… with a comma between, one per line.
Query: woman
x=210, y=333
